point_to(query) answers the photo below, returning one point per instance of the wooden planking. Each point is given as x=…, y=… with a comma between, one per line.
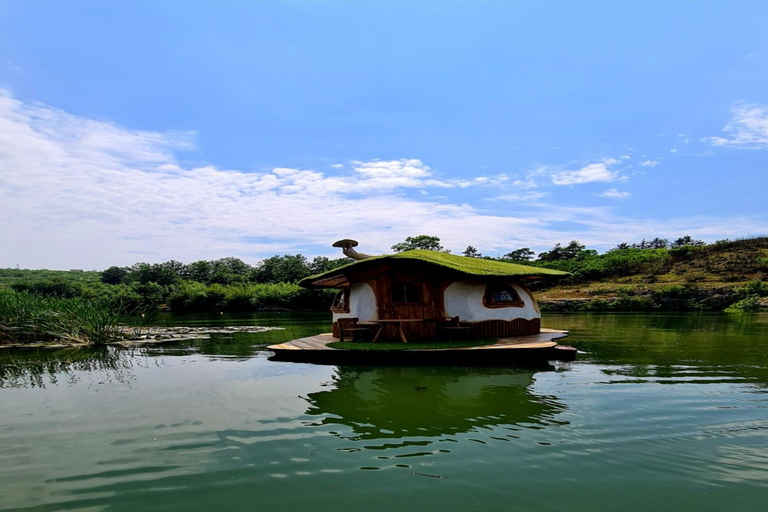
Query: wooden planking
x=318, y=342
x=544, y=339
x=505, y=328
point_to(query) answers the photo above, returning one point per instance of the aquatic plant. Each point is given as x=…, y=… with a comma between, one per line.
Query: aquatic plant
x=30, y=318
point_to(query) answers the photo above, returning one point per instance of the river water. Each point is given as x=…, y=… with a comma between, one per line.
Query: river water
x=660, y=412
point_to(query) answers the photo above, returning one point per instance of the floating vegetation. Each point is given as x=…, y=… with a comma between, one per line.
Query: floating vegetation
x=141, y=335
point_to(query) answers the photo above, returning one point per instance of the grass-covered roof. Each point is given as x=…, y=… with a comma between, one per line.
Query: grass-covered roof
x=462, y=265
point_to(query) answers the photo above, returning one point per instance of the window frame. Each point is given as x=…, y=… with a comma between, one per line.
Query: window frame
x=493, y=289
x=410, y=291
x=344, y=306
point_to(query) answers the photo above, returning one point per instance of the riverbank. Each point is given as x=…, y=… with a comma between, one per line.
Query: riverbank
x=663, y=296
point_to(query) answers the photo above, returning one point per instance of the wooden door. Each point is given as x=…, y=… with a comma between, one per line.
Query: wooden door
x=408, y=295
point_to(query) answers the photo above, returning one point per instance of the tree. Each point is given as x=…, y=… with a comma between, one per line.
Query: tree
x=229, y=270
x=161, y=273
x=573, y=250
x=687, y=240
x=199, y=271
x=282, y=269
x=114, y=275
x=430, y=243
x=322, y=264
x=524, y=254
x=471, y=252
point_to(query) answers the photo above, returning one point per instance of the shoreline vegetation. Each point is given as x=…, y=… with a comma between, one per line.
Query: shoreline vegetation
x=78, y=308
x=34, y=321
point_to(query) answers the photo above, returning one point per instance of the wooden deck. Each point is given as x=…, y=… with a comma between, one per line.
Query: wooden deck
x=532, y=346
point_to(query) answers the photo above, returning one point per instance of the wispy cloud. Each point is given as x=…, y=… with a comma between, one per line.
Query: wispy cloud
x=650, y=163
x=591, y=173
x=612, y=193
x=748, y=128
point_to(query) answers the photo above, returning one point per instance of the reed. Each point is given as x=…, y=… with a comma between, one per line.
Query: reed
x=30, y=318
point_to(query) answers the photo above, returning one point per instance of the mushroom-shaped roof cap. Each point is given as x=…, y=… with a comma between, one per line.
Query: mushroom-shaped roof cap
x=346, y=242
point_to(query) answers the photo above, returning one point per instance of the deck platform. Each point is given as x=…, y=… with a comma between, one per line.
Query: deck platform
x=532, y=347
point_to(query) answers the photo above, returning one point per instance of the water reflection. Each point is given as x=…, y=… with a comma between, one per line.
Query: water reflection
x=42, y=367
x=711, y=342
x=400, y=402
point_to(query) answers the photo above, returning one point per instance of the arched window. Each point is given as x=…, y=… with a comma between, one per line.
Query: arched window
x=502, y=295
x=341, y=302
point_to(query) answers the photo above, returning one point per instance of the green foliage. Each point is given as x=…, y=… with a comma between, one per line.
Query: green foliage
x=684, y=252
x=472, y=252
x=426, y=242
x=572, y=251
x=524, y=254
x=114, y=275
x=687, y=240
x=282, y=269
x=29, y=318
x=163, y=274
x=322, y=264
x=756, y=287
x=55, y=287
x=747, y=305
x=616, y=263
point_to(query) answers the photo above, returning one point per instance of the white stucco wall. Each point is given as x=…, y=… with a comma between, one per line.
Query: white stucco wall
x=465, y=300
x=362, y=303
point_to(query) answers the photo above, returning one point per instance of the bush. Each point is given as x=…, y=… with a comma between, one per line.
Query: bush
x=755, y=287
x=747, y=305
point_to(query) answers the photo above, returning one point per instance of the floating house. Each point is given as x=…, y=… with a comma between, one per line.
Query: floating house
x=430, y=290
x=421, y=295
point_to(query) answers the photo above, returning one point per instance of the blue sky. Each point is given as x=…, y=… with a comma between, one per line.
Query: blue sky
x=149, y=131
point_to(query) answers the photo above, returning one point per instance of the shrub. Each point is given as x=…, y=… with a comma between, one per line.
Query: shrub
x=749, y=304
x=755, y=287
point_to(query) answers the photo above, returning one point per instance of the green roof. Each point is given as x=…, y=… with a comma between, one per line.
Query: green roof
x=469, y=267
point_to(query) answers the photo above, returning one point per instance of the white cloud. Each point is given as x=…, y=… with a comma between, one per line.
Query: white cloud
x=88, y=194
x=612, y=193
x=79, y=193
x=650, y=163
x=524, y=197
x=747, y=128
x=591, y=173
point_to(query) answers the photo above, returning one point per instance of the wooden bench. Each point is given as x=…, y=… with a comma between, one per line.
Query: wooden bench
x=352, y=327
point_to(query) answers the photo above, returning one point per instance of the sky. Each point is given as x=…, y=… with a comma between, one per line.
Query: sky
x=144, y=131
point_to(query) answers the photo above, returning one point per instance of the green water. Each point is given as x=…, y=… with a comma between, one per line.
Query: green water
x=660, y=412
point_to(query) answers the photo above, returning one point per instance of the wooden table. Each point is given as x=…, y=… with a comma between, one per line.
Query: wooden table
x=398, y=321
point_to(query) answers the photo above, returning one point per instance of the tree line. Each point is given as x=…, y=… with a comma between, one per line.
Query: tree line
x=230, y=284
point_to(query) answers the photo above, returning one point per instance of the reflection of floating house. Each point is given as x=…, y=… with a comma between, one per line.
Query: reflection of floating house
x=429, y=295
x=399, y=403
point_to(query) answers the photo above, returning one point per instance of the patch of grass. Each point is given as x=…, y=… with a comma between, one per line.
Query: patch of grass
x=418, y=345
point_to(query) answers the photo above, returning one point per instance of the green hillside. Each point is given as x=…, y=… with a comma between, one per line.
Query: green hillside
x=690, y=277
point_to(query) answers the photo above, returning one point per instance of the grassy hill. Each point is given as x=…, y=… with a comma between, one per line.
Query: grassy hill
x=709, y=277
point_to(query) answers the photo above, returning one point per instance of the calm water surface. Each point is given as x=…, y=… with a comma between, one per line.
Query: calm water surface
x=660, y=412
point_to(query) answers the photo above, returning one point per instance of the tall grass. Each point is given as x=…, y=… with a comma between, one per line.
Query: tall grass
x=30, y=318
